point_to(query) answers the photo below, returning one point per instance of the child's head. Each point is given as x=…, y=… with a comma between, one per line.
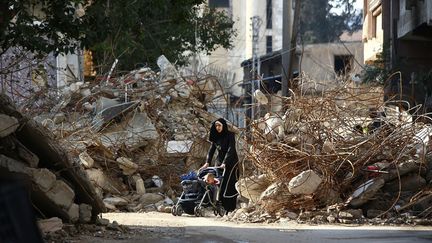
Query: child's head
x=209, y=178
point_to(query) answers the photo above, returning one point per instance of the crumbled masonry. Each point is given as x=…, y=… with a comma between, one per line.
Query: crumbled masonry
x=121, y=145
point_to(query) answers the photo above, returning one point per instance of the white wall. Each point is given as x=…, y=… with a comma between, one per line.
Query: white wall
x=318, y=62
x=230, y=60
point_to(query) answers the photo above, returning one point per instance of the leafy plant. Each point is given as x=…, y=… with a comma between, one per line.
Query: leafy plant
x=137, y=32
x=375, y=72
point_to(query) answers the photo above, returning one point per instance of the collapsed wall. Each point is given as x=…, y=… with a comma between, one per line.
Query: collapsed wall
x=28, y=152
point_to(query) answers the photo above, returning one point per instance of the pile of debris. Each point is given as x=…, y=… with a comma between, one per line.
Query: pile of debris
x=134, y=135
x=29, y=153
x=345, y=156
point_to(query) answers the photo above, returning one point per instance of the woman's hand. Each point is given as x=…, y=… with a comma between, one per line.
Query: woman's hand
x=222, y=166
x=204, y=166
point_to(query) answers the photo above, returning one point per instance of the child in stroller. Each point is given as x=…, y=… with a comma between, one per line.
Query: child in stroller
x=199, y=193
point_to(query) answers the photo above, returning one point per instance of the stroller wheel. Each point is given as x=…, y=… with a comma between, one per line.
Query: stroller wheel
x=173, y=210
x=198, y=211
x=179, y=210
x=221, y=210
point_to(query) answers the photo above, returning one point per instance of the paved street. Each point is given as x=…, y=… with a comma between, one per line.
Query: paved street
x=159, y=227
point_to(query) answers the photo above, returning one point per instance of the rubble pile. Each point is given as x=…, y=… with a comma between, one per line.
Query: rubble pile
x=134, y=135
x=345, y=157
x=30, y=155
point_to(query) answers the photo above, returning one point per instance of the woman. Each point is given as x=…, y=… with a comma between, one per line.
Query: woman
x=224, y=141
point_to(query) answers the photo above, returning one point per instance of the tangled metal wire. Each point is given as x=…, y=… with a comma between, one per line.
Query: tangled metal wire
x=337, y=135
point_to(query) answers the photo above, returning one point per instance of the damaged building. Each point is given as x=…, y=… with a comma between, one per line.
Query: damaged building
x=399, y=33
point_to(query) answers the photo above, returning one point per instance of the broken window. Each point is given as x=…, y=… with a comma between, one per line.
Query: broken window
x=269, y=13
x=343, y=64
x=269, y=44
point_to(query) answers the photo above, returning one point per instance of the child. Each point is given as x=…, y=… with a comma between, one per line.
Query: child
x=209, y=178
x=211, y=181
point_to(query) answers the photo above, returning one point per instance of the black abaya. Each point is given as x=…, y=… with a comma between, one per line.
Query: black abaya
x=224, y=142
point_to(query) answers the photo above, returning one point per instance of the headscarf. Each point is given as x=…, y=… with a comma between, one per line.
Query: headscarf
x=214, y=134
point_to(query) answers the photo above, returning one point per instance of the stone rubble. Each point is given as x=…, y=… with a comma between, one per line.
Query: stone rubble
x=29, y=154
x=327, y=164
x=132, y=137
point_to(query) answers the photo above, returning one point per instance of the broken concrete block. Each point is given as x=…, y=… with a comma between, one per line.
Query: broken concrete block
x=59, y=118
x=150, y=198
x=328, y=147
x=142, y=126
x=164, y=209
x=305, y=183
x=86, y=160
x=44, y=178
x=139, y=131
x=73, y=213
x=275, y=191
x=110, y=113
x=101, y=180
x=88, y=106
x=168, y=201
x=26, y=155
x=110, y=206
x=403, y=169
x=74, y=87
x=85, y=92
x=150, y=208
x=365, y=192
x=291, y=215
x=421, y=141
x=50, y=225
x=85, y=213
x=8, y=125
x=331, y=219
x=14, y=165
x=176, y=147
x=127, y=165
x=134, y=208
x=61, y=194
x=102, y=221
x=351, y=214
x=116, y=201
x=252, y=187
x=182, y=88
x=260, y=97
x=139, y=184
x=103, y=103
x=168, y=71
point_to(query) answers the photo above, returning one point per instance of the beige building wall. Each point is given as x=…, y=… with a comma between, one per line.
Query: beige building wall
x=318, y=63
x=373, y=35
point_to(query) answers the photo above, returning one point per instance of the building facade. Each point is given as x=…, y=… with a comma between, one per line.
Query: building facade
x=258, y=24
x=225, y=64
x=401, y=32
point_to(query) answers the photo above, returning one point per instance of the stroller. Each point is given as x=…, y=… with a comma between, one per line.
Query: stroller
x=197, y=195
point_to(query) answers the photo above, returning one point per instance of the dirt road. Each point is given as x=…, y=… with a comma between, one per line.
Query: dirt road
x=160, y=227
